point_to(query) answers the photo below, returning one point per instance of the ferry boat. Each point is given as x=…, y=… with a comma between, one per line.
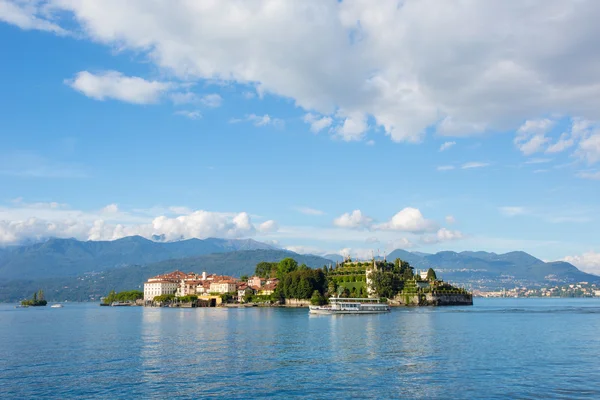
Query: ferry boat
x=340, y=305
x=56, y=306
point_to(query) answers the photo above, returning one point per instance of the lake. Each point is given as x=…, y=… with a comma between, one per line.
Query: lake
x=498, y=348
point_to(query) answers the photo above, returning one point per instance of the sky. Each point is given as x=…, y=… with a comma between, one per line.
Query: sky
x=318, y=126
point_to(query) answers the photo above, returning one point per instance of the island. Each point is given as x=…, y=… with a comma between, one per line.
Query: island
x=37, y=300
x=285, y=283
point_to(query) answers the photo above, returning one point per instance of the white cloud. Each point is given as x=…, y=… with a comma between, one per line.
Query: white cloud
x=408, y=220
x=23, y=221
x=114, y=85
x=587, y=262
x=594, y=175
x=260, y=120
x=268, y=226
x=531, y=136
x=589, y=148
x=450, y=219
x=445, y=167
x=446, y=145
x=110, y=209
x=563, y=143
x=357, y=253
x=212, y=100
x=354, y=220
x=305, y=249
x=442, y=235
x=433, y=67
x=353, y=128
x=370, y=143
x=309, y=211
x=401, y=243
x=27, y=15
x=538, y=160
x=471, y=165
x=317, y=123
x=191, y=114
x=512, y=211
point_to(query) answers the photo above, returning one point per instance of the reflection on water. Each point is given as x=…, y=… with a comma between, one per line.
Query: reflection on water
x=496, y=349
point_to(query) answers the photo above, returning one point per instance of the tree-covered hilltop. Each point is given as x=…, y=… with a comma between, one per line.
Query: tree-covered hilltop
x=359, y=279
x=36, y=300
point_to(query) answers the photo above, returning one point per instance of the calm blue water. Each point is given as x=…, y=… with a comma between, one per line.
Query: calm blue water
x=499, y=348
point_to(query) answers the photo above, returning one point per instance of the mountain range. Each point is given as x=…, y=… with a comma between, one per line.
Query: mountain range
x=71, y=257
x=69, y=269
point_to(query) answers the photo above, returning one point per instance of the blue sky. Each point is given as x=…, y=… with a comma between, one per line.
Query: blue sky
x=319, y=126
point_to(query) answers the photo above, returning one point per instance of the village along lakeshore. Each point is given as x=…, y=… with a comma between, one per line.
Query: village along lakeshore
x=287, y=284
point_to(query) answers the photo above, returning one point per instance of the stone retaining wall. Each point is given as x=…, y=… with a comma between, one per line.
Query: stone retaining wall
x=429, y=299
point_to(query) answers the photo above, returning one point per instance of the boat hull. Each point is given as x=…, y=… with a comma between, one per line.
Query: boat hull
x=346, y=312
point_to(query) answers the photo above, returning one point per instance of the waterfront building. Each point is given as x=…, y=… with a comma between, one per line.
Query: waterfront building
x=256, y=281
x=158, y=287
x=268, y=289
x=223, y=286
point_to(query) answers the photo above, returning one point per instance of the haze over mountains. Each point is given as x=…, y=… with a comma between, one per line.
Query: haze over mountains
x=74, y=270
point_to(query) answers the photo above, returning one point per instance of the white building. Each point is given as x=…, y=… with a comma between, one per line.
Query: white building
x=156, y=287
x=223, y=287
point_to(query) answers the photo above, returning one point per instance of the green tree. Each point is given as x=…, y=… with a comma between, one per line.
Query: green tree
x=431, y=276
x=317, y=299
x=384, y=283
x=286, y=266
x=263, y=269
x=301, y=284
x=332, y=287
x=244, y=278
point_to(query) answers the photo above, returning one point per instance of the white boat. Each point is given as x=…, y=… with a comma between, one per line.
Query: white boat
x=340, y=305
x=56, y=306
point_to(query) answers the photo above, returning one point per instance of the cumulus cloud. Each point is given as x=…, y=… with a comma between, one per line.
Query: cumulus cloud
x=27, y=15
x=450, y=219
x=317, y=124
x=408, y=220
x=446, y=145
x=353, y=128
x=442, y=235
x=22, y=221
x=587, y=262
x=531, y=136
x=589, y=148
x=400, y=243
x=268, y=226
x=564, y=142
x=357, y=253
x=433, y=67
x=212, y=100
x=355, y=220
x=115, y=85
x=110, y=209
